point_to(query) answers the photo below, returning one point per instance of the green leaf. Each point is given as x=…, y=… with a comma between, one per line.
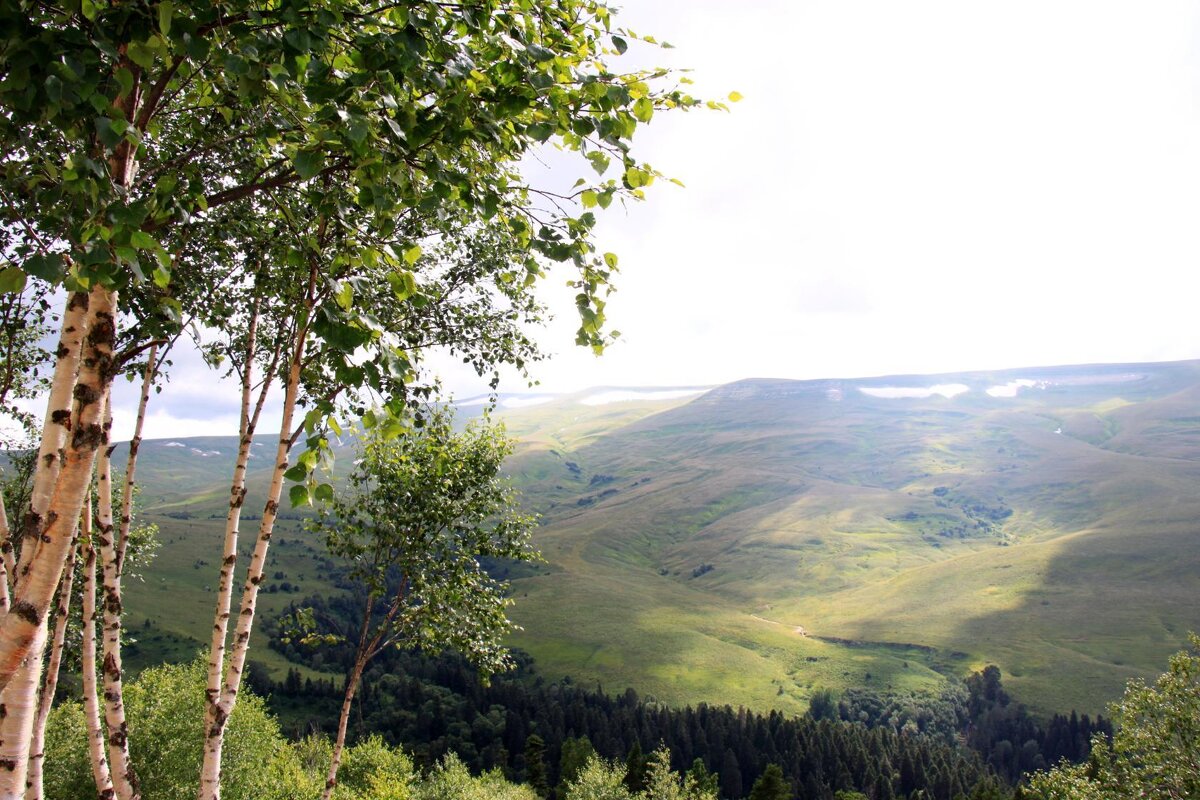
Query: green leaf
x=643, y=109
x=165, y=12
x=308, y=163
x=403, y=284
x=600, y=161
x=324, y=493
x=143, y=241
x=297, y=472
x=125, y=78
x=106, y=133
x=89, y=9
x=588, y=198
x=309, y=457
x=49, y=268
x=357, y=129
x=610, y=259
x=344, y=296
x=12, y=280
x=299, y=496
x=412, y=254
x=141, y=54
x=620, y=44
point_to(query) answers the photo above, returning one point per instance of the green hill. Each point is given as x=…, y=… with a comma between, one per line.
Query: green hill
x=1053, y=532
x=755, y=542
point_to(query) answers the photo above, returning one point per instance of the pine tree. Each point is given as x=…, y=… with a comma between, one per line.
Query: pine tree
x=636, y=765
x=535, y=765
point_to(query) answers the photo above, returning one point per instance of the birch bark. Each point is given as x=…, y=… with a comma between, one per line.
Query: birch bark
x=55, y=426
x=91, y=700
x=19, y=705
x=135, y=445
x=43, y=556
x=237, y=497
x=221, y=706
x=37, y=745
x=125, y=781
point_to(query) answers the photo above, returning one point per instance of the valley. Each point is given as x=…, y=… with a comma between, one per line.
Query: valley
x=756, y=542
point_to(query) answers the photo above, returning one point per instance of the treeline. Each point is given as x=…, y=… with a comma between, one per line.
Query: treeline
x=433, y=706
x=1014, y=742
x=978, y=713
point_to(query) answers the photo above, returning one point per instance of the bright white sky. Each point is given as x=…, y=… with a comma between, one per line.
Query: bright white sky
x=908, y=187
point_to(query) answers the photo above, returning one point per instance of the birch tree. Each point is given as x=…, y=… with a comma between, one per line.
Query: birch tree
x=424, y=508
x=133, y=133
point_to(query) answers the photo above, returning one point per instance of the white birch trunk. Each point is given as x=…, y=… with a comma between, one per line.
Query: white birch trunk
x=55, y=427
x=125, y=781
x=18, y=698
x=135, y=444
x=217, y=714
x=237, y=497
x=43, y=557
x=37, y=745
x=83, y=374
x=18, y=702
x=91, y=698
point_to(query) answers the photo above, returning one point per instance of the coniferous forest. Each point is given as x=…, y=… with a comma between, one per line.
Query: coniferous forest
x=972, y=740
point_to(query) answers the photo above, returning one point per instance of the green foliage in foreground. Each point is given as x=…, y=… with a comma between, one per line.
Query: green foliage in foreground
x=1154, y=753
x=607, y=780
x=164, y=710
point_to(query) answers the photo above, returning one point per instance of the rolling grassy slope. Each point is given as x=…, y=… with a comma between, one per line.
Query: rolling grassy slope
x=767, y=538
x=1053, y=533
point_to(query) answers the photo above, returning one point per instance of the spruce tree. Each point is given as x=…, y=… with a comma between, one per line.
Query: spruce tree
x=535, y=765
x=636, y=765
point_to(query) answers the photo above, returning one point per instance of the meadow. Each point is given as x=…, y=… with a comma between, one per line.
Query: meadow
x=763, y=540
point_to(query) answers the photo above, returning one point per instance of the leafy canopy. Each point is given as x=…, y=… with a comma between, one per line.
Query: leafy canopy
x=424, y=509
x=128, y=124
x=1153, y=754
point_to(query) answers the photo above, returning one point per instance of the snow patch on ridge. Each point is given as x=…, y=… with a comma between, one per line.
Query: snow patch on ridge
x=1011, y=388
x=946, y=390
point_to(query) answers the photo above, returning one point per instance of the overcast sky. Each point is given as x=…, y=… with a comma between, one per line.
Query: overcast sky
x=906, y=187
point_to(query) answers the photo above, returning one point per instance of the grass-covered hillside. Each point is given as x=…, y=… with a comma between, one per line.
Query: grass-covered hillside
x=760, y=540
x=770, y=537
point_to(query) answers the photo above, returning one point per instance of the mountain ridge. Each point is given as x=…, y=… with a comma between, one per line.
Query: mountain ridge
x=768, y=538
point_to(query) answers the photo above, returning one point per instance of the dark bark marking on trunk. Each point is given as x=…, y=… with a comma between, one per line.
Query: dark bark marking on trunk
x=89, y=437
x=27, y=611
